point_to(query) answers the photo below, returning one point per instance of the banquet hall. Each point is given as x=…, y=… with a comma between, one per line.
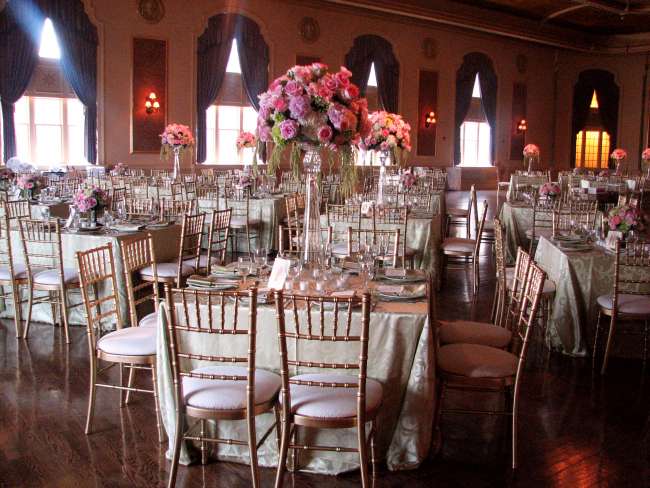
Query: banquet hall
x=325, y=243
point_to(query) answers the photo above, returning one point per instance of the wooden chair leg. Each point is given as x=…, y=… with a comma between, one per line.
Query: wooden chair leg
x=204, y=452
x=64, y=305
x=156, y=403
x=373, y=448
x=176, y=453
x=91, y=393
x=129, y=383
x=252, y=448
x=608, y=345
x=594, y=353
x=363, y=454
x=15, y=295
x=284, y=449
x=30, y=304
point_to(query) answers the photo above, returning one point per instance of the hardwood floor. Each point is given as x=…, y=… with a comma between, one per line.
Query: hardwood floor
x=576, y=429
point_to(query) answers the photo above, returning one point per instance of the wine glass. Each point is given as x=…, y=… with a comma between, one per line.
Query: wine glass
x=45, y=212
x=261, y=258
x=244, y=267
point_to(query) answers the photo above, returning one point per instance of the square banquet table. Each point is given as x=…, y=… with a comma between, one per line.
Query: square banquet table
x=516, y=218
x=166, y=243
x=524, y=180
x=401, y=357
x=580, y=278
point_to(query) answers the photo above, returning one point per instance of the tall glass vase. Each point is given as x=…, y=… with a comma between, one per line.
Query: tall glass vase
x=177, y=162
x=383, y=157
x=312, y=250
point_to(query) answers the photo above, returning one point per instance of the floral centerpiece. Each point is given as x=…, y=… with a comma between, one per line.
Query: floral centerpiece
x=645, y=159
x=176, y=139
x=245, y=181
x=119, y=169
x=624, y=219
x=312, y=108
x=550, y=190
x=531, y=156
x=618, y=155
x=248, y=140
x=6, y=177
x=92, y=200
x=604, y=173
x=388, y=132
x=407, y=180
x=29, y=184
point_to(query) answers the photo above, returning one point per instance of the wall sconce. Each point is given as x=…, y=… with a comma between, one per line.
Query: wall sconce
x=522, y=126
x=430, y=119
x=151, y=103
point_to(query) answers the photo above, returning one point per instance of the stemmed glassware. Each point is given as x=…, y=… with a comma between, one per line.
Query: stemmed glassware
x=243, y=267
x=261, y=258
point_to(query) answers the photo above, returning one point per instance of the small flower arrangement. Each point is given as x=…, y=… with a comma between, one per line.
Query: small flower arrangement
x=531, y=151
x=28, y=184
x=388, y=132
x=618, y=154
x=119, y=169
x=624, y=218
x=550, y=190
x=6, y=174
x=88, y=199
x=246, y=140
x=645, y=155
x=408, y=179
x=245, y=181
x=604, y=174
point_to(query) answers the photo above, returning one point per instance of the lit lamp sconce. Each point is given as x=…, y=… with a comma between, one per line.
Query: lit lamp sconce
x=430, y=119
x=522, y=126
x=151, y=103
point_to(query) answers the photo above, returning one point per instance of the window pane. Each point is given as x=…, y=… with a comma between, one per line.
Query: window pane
x=233, y=60
x=75, y=112
x=229, y=117
x=22, y=141
x=76, y=144
x=48, y=144
x=21, y=111
x=250, y=119
x=604, y=155
x=49, y=45
x=211, y=147
x=484, y=144
x=372, y=77
x=211, y=115
x=226, y=148
x=476, y=90
x=47, y=111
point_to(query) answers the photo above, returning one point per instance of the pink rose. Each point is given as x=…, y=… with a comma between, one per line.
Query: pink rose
x=288, y=129
x=330, y=83
x=280, y=104
x=264, y=132
x=293, y=88
x=325, y=133
x=300, y=107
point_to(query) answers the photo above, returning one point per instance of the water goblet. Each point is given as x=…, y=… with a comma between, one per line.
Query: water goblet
x=243, y=267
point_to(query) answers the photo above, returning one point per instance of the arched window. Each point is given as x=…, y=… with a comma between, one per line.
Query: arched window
x=475, y=132
x=593, y=142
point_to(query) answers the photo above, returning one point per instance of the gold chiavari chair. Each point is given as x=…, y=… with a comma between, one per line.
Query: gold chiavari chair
x=341, y=218
x=160, y=173
x=223, y=388
x=475, y=367
x=43, y=254
x=238, y=200
x=467, y=250
x=543, y=211
x=217, y=239
x=387, y=243
x=175, y=209
x=118, y=195
x=174, y=273
x=460, y=216
x=395, y=218
x=177, y=189
x=291, y=226
x=137, y=255
x=140, y=207
x=630, y=297
x=189, y=188
x=17, y=209
x=325, y=400
x=288, y=244
x=329, y=193
x=290, y=184
x=132, y=348
x=13, y=274
x=209, y=192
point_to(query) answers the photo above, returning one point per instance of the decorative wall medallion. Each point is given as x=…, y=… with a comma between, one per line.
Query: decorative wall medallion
x=152, y=11
x=522, y=63
x=429, y=48
x=309, y=29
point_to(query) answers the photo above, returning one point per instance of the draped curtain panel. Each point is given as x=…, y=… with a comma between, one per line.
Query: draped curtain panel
x=18, y=58
x=473, y=64
x=21, y=23
x=213, y=50
x=370, y=49
x=608, y=94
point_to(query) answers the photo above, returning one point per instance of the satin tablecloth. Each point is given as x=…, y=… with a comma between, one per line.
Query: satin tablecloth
x=516, y=219
x=524, y=180
x=401, y=353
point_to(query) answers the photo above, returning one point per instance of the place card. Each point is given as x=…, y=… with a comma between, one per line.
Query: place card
x=279, y=273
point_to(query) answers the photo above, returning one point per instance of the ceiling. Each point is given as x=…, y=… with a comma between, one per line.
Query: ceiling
x=604, y=17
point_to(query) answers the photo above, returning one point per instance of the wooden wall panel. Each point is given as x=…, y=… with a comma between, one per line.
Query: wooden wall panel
x=149, y=75
x=302, y=59
x=517, y=139
x=427, y=102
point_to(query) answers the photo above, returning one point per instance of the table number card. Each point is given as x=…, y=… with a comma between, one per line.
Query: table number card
x=279, y=273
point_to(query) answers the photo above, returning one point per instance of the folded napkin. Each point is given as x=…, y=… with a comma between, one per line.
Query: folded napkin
x=229, y=270
x=126, y=227
x=211, y=282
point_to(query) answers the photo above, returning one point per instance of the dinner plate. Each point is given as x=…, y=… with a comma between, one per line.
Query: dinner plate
x=577, y=247
x=401, y=293
x=158, y=225
x=411, y=276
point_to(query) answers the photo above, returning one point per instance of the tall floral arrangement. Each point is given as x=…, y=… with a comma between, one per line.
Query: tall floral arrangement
x=248, y=140
x=618, y=155
x=550, y=190
x=388, y=132
x=176, y=136
x=531, y=155
x=645, y=158
x=311, y=106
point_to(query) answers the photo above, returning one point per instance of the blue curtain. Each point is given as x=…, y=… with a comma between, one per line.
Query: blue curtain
x=18, y=58
x=370, y=49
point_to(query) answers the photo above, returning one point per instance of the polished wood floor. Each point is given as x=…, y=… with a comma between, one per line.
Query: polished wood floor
x=577, y=429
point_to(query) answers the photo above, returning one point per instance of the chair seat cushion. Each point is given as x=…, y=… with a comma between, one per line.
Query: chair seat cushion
x=542, y=232
x=476, y=361
x=20, y=272
x=51, y=277
x=167, y=270
x=469, y=332
x=549, y=285
x=150, y=320
x=203, y=261
x=627, y=304
x=341, y=248
x=332, y=403
x=228, y=394
x=459, y=244
x=457, y=212
x=130, y=341
x=238, y=222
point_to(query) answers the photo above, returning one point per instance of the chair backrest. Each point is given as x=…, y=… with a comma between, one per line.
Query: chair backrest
x=96, y=269
x=527, y=317
x=238, y=200
x=218, y=236
x=177, y=190
x=173, y=209
x=347, y=214
x=137, y=254
x=479, y=228
x=500, y=256
x=17, y=209
x=389, y=246
x=289, y=236
x=191, y=239
x=387, y=218
x=632, y=271
x=472, y=206
x=6, y=252
x=117, y=195
x=519, y=279
x=42, y=245
x=339, y=332
x=140, y=207
x=203, y=313
x=190, y=189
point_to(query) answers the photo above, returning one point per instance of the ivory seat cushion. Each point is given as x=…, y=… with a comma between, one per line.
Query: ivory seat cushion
x=167, y=270
x=341, y=248
x=549, y=285
x=543, y=232
x=228, y=394
x=51, y=277
x=469, y=332
x=150, y=320
x=130, y=341
x=203, y=261
x=476, y=361
x=332, y=403
x=457, y=212
x=627, y=304
x=459, y=244
x=20, y=271
x=238, y=222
